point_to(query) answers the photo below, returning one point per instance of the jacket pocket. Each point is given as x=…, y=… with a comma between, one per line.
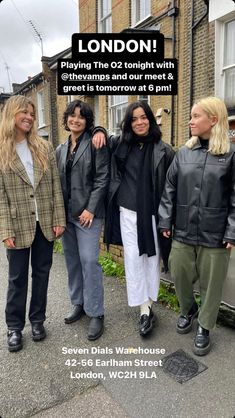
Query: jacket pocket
x=13, y=212
x=214, y=219
x=181, y=221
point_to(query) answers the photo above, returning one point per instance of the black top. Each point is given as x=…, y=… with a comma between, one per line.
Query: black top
x=126, y=195
x=204, y=143
x=69, y=163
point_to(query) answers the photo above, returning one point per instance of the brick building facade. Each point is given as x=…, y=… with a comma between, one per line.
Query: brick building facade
x=189, y=28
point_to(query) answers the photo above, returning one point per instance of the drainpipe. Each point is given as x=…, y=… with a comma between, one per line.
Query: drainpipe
x=173, y=56
x=193, y=28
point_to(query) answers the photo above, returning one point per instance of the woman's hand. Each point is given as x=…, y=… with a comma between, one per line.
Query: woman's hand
x=9, y=242
x=99, y=140
x=86, y=218
x=58, y=230
x=166, y=233
x=228, y=245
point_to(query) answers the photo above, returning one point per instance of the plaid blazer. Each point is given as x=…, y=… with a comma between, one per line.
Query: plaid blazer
x=17, y=202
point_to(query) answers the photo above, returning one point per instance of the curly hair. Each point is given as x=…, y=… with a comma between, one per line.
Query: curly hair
x=85, y=111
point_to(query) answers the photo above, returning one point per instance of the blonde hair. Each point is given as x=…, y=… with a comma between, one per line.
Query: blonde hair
x=37, y=146
x=219, y=140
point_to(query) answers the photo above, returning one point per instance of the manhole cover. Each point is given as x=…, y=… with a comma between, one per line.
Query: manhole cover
x=181, y=366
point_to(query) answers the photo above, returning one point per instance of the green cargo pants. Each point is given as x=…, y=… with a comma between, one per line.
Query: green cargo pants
x=189, y=263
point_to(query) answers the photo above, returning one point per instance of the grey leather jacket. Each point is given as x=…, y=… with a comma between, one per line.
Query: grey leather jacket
x=89, y=177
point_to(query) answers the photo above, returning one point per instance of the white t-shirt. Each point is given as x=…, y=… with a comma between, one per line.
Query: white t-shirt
x=25, y=155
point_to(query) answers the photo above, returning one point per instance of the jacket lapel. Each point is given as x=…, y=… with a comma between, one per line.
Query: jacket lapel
x=19, y=169
x=158, y=152
x=83, y=145
x=63, y=153
x=38, y=173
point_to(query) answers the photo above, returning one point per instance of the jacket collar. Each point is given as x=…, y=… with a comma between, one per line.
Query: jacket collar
x=198, y=145
x=83, y=145
x=19, y=169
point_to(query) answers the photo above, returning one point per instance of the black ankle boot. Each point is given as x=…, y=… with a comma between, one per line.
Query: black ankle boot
x=202, y=342
x=185, y=322
x=75, y=315
x=14, y=340
x=38, y=331
x=96, y=328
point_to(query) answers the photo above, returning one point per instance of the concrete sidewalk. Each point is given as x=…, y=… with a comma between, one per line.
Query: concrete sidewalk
x=45, y=379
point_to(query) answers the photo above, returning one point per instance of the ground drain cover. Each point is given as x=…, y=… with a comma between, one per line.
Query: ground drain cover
x=181, y=366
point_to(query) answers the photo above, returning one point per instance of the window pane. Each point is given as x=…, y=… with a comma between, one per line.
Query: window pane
x=108, y=25
x=105, y=18
x=118, y=107
x=41, y=110
x=105, y=7
x=143, y=97
x=118, y=99
x=142, y=9
x=229, y=47
x=230, y=87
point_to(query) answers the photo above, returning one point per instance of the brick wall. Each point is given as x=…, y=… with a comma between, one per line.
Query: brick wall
x=88, y=16
x=203, y=61
x=120, y=15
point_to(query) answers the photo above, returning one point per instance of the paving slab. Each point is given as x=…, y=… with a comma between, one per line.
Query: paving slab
x=67, y=375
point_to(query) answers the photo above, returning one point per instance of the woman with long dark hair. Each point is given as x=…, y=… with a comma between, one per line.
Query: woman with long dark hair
x=140, y=160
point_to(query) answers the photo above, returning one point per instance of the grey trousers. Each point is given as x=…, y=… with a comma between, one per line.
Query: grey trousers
x=189, y=263
x=85, y=279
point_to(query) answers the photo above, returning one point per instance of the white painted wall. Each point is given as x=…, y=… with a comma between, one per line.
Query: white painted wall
x=218, y=8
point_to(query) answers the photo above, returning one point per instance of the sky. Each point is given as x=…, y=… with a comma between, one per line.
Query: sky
x=20, y=47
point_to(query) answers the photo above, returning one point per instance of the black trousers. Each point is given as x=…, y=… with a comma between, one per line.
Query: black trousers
x=41, y=261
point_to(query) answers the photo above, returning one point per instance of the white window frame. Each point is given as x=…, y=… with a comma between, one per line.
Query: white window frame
x=140, y=9
x=116, y=104
x=71, y=98
x=104, y=19
x=220, y=68
x=41, y=109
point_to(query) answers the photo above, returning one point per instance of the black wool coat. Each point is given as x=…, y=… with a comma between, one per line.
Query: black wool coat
x=162, y=157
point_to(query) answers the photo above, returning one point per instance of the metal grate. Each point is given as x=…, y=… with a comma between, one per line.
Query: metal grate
x=182, y=367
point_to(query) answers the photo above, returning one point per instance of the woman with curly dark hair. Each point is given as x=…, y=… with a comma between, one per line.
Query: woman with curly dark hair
x=84, y=175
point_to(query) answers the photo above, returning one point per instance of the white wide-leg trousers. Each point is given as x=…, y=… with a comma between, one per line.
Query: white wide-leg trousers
x=142, y=272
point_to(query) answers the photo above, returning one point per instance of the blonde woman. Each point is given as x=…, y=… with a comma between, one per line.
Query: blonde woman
x=31, y=215
x=199, y=201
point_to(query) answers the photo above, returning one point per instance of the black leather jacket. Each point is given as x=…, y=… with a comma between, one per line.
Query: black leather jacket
x=199, y=197
x=89, y=177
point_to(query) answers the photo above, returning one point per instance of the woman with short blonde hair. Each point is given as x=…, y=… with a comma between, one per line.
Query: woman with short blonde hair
x=198, y=202
x=219, y=140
